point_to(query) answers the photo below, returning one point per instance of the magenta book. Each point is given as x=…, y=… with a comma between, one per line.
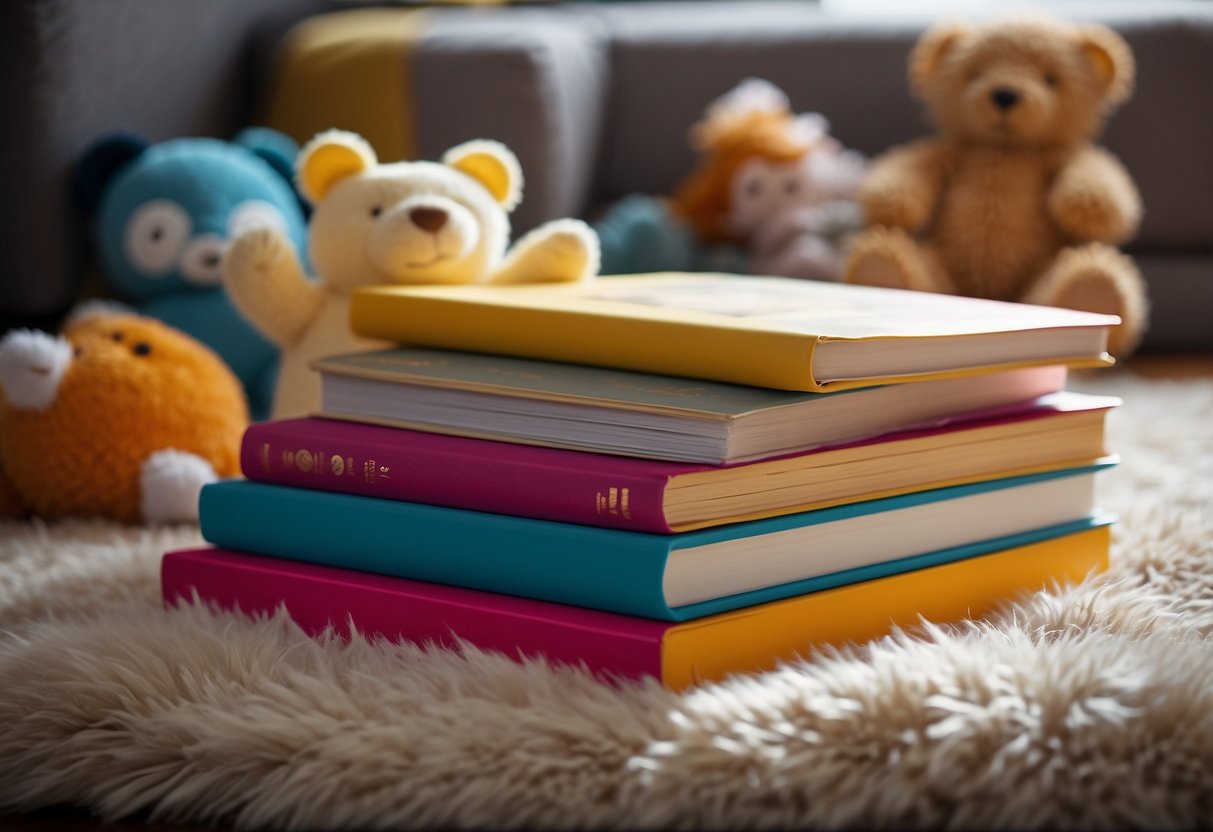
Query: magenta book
x=318, y=597
x=659, y=496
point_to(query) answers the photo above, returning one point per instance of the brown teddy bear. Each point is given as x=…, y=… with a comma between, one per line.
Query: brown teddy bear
x=1011, y=199
x=121, y=416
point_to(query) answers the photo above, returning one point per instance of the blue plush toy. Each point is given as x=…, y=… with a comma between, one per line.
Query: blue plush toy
x=164, y=215
x=640, y=233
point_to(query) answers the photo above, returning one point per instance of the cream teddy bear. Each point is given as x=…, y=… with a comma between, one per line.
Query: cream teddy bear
x=415, y=222
x=1011, y=199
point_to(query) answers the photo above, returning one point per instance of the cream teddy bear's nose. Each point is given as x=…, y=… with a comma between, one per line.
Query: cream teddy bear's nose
x=32, y=365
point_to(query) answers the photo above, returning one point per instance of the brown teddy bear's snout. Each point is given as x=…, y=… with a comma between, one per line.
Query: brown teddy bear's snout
x=1005, y=98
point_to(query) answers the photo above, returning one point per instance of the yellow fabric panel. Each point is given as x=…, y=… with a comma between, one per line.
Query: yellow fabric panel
x=349, y=70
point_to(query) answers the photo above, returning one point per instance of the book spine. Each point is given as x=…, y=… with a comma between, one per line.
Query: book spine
x=319, y=597
x=339, y=457
x=581, y=565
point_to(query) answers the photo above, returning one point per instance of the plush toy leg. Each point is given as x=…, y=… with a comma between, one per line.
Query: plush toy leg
x=1097, y=278
x=170, y=482
x=560, y=251
x=889, y=257
x=266, y=283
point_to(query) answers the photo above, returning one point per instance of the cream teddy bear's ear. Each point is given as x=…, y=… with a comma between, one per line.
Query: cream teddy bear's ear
x=1112, y=59
x=493, y=165
x=930, y=50
x=328, y=158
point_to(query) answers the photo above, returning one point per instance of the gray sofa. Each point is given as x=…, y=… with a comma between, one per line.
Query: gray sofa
x=594, y=97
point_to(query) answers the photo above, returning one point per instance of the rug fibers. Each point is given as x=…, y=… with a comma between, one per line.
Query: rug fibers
x=1088, y=706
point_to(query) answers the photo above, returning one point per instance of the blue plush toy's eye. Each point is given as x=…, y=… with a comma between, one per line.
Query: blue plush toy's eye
x=202, y=260
x=154, y=235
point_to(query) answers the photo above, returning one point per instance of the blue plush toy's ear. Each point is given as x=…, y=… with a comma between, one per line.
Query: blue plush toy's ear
x=278, y=149
x=100, y=162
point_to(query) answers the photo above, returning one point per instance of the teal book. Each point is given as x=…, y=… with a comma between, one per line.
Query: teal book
x=676, y=577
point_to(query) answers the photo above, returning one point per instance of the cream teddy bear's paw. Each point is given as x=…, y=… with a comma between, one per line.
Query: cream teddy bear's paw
x=560, y=251
x=170, y=484
x=256, y=251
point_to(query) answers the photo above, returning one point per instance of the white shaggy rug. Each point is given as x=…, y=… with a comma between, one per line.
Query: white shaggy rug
x=1087, y=708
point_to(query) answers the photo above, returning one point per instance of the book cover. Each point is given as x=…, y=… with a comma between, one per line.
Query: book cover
x=1063, y=430
x=671, y=577
x=624, y=647
x=764, y=331
x=639, y=414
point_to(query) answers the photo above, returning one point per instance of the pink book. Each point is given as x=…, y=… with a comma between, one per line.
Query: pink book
x=663, y=497
x=317, y=596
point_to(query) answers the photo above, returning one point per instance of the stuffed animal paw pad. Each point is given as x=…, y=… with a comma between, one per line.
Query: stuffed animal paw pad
x=170, y=482
x=32, y=365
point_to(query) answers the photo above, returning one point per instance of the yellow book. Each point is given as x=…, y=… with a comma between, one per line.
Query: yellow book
x=758, y=637
x=772, y=332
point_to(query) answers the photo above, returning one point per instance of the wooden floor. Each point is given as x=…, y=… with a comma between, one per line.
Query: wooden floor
x=65, y=819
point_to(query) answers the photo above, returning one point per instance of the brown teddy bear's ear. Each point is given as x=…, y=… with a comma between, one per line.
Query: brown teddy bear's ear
x=328, y=158
x=1112, y=59
x=493, y=165
x=929, y=52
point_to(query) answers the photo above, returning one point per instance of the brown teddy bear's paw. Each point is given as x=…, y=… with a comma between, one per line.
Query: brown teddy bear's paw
x=1098, y=278
x=890, y=258
x=895, y=209
x=1090, y=214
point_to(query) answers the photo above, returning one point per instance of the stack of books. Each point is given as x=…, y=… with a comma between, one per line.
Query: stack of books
x=679, y=476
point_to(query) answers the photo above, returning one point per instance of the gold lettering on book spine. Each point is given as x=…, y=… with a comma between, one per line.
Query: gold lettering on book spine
x=368, y=471
x=265, y=456
x=304, y=459
x=616, y=502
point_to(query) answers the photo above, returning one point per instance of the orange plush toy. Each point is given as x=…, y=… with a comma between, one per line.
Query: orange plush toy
x=120, y=417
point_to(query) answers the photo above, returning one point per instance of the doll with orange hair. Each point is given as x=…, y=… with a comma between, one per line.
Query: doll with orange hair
x=773, y=182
